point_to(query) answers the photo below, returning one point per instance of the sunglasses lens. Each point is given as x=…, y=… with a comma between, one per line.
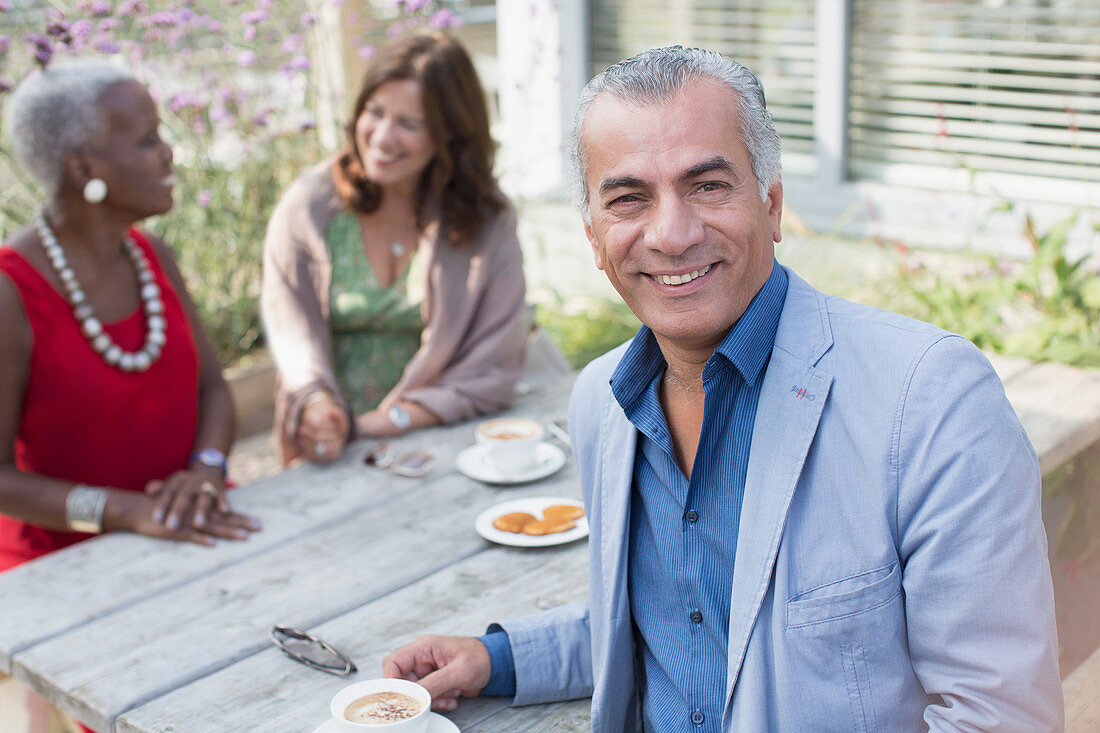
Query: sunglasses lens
x=379, y=456
x=416, y=463
x=310, y=651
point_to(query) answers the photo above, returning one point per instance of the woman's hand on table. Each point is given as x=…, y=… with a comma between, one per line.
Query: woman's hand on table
x=140, y=512
x=449, y=667
x=323, y=429
x=195, y=497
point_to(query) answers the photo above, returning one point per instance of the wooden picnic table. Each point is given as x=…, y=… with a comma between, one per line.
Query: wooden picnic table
x=131, y=634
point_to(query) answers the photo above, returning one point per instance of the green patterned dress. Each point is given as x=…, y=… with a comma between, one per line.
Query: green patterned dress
x=375, y=330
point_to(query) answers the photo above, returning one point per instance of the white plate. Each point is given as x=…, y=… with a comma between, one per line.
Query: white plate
x=436, y=724
x=532, y=505
x=471, y=461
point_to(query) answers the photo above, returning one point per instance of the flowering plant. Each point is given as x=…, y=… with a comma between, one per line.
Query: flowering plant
x=245, y=105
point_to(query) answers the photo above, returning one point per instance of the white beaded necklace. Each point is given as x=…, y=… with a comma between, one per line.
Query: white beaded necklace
x=90, y=326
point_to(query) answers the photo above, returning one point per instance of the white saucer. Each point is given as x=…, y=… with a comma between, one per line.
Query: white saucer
x=532, y=505
x=436, y=724
x=471, y=461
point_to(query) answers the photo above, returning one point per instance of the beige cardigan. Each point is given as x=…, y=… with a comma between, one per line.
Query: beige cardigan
x=471, y=350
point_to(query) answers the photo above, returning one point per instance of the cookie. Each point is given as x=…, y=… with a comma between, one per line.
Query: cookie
x=548, y=526
x=562, y=512
x=513, y=522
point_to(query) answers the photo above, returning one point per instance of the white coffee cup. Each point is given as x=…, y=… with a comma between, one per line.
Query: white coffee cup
x=418, y=723
x=511, y=443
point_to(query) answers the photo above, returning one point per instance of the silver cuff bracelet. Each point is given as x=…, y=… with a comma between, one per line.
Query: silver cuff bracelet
x=84, y=508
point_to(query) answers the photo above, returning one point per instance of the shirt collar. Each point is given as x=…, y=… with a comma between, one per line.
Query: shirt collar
x=747, y=346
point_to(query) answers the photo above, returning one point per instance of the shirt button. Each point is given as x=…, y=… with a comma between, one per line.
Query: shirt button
x=692, y=516
x=697, y=717
x=697, y=617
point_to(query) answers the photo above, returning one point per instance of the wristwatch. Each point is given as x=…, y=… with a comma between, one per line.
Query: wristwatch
x=210, y=457
x=400, y=417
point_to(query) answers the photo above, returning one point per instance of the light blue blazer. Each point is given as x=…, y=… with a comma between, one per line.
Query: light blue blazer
x=891, y=568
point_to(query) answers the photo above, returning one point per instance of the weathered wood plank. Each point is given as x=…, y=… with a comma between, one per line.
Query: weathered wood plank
x=495, y=584
x=1082, y=693
x=52, y=595
x=108, y=665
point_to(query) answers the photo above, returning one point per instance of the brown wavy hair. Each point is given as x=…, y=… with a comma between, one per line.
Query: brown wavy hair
x=460, y=176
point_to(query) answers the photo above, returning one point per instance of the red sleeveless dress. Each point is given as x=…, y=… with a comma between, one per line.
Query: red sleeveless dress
x=87, y=422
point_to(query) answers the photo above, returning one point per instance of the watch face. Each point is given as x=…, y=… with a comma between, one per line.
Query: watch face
x=399, y=416
x=210, y=457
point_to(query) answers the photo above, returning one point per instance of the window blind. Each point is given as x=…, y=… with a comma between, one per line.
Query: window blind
x=774, y=38
x=990, y=86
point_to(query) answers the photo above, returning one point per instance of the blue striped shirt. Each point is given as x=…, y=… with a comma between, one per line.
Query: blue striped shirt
x=683, y=533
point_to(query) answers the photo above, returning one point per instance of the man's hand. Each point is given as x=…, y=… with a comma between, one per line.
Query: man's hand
x=448, y=666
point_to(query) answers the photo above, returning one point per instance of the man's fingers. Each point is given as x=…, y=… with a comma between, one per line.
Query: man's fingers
x=443, y=682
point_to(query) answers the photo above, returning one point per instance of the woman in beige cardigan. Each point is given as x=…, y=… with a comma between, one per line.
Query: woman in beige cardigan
x=393, y=283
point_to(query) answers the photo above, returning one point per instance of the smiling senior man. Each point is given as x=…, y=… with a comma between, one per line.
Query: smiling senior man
x=806, y=514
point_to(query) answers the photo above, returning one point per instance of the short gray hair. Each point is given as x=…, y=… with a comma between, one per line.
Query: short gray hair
x=656, y=76
x=55, y=112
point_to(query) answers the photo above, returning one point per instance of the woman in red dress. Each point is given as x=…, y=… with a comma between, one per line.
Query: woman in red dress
x=113, y=411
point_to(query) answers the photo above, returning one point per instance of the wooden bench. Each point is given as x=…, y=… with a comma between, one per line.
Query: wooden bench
x=1059, y=407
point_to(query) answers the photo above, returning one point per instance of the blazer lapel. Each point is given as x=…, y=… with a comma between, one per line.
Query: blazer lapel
x=615, y=698
x=616, y=471
x=792, y=398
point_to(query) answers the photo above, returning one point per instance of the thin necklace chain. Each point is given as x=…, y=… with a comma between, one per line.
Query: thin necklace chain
x=672, y=378
x=90, y=326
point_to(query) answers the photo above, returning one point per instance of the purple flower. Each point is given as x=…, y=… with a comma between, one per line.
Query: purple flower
x=185, y=15
x=131, y=7
x=40, y=48
x=5, y=44
x=5, y=85
x=308, y=19
x=253, y=17
x=82, y=31
x=4, y=7
x=214, y=26
x=296, y=64
x=108, y=25
x=202, y=198
x=292, y=43
x=184, y=100
x=307, y=126
x=250, y=33
x=365, y=52
x=100, y=8
x=219, y=114
x=444, y=19
x=246, y=58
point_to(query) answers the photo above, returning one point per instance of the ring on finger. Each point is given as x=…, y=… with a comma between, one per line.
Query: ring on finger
x=319, y=449
x=209, y=489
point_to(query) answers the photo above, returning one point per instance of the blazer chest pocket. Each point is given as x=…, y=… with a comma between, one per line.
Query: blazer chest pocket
x=844, y=598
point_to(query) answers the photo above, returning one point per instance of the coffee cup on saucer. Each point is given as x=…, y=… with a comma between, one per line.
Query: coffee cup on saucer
x=511, y=443
x=391, y=705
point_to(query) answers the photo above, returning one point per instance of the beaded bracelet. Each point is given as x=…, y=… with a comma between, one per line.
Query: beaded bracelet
x=84, y=508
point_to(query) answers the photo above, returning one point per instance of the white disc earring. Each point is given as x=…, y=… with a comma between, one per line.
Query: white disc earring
x=95, y=190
